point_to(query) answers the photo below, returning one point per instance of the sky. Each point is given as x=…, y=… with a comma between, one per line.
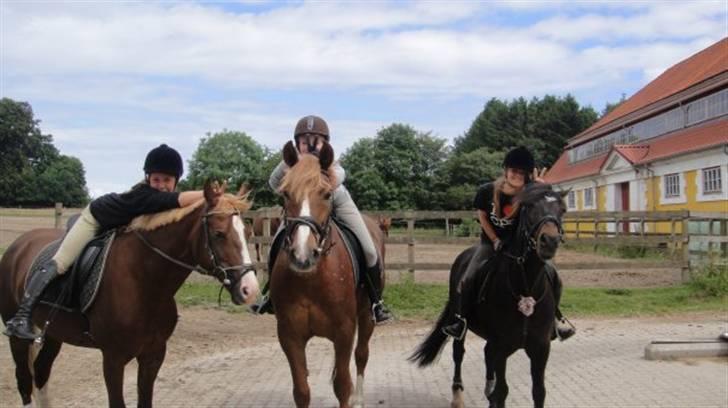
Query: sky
x=112, y=79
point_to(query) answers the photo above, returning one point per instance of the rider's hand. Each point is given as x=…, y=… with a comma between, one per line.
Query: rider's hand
x=497, y=245
x=537, y=175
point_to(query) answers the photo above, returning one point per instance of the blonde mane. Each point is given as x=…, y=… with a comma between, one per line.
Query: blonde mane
x=150, y=222
x=304, y=176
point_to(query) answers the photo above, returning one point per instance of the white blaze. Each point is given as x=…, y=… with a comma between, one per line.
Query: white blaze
x=240, y=229
x=303, y=232
x=249, y=282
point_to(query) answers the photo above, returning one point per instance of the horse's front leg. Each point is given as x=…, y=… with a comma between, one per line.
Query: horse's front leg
x=114, y=377
x=361, y=354
x=149, y=364
x=500, y=392
x=343, y=345
x=539, y=355
x=294, y=348
x=488, y=354
x=458, y=352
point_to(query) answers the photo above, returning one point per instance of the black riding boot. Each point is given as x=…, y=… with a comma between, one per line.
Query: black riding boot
x=563, y=329
x=21, y=325
x=372, y=283
x=265, y=304
x=463, y=300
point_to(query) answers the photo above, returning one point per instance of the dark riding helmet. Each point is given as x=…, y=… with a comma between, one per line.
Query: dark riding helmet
x=164, y=159
x=311, y=124
x=520, y=158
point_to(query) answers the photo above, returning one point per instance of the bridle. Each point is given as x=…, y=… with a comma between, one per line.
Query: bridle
x=320, y=231
x=218, y=271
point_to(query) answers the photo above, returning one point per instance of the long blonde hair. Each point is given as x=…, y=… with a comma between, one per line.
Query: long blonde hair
x=497, y=189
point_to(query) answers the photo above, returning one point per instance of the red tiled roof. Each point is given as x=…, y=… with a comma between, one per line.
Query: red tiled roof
x=691, y=71
x=710, y=134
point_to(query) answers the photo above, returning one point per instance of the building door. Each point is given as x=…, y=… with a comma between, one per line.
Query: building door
x=624, y=195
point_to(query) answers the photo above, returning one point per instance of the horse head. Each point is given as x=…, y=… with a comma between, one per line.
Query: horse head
x=541, y=212
x=307, y=189
x=225, y=243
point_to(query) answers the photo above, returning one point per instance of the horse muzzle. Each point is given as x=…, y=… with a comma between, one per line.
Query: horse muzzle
x=547, y=246
x=245, y=291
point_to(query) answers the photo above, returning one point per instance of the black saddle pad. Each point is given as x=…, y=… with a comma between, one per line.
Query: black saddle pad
x=75, y=290
x=351, y=243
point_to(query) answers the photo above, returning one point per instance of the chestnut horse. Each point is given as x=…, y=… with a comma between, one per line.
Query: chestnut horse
x=518, y=311
x=257, y=230
x=313, y=289
x=134, y=313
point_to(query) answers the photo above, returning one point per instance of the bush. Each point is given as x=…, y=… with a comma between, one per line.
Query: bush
x=467, y=228
x=712, y=280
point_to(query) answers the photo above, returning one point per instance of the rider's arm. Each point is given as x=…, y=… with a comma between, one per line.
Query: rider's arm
x=276, y=177
x=190, y=197
x=339, y=173
x=485, y=225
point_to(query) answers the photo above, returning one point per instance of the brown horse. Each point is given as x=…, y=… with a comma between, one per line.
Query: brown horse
x=134, y=312
x=385, y=223
x=312, y=284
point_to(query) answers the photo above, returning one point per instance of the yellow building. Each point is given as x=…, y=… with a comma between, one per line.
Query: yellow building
x=664, y=148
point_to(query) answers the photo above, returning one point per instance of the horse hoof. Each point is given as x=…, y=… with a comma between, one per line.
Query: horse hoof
x=457, y=399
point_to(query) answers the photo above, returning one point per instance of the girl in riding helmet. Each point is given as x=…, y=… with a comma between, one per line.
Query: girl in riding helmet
x=496, y=213
x=162, y=169
x=310, y=135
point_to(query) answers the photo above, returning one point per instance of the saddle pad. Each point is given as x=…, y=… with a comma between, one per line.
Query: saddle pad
x=76, y=289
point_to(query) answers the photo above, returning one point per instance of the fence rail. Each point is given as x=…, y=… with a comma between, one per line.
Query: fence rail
x=664, y=229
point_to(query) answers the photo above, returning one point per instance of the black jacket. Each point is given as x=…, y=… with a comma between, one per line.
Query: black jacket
x=114, y=210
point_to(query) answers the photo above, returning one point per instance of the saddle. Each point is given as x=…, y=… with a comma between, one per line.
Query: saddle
x=75, y=290
x=351, y=242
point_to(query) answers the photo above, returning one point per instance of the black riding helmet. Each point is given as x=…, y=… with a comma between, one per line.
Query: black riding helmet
x=164, y=159
x=311, y=124
x=520, y=158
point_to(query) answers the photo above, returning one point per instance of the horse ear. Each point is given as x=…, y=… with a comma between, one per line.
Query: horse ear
x=244, y=190
x=564, y=193
x=212, y=192
x=326, y=156
x=290, y=154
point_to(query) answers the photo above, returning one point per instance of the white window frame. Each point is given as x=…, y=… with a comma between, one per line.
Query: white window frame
x=678, y=199
x=571, y=200
x=712, y=196
x=592, y=205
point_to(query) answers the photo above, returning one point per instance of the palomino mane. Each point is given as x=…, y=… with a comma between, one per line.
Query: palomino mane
x=305, y=176
x=150, y=222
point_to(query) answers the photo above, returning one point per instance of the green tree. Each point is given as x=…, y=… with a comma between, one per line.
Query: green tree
x=610, y=106
x=394, y=170
x=544, y=125
x=32, y=172
x=460, y=176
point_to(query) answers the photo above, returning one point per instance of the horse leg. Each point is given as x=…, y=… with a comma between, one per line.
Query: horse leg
x=294, y=348
x=341, y=376
x=114, y=378
x=489, y=369
x=20, y=350
x=500, y=392
x=458, y=352
x=42, y=369
x=361, y=353
x=539, y=355
x=149, y=364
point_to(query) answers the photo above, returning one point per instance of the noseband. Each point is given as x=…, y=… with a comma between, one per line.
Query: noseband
x=321, y=232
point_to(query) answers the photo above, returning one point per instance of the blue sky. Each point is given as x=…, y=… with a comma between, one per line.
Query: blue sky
x=110, y=80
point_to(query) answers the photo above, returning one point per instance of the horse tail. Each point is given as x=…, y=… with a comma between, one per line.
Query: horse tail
x=428, y=351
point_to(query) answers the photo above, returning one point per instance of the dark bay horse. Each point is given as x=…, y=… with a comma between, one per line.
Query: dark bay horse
x=312, y=284
x=134, y=312
x=518, y=311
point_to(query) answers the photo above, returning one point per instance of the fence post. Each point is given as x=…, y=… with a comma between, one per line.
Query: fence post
x=265, y=247
x=58, y=215
x=685, y=247
x=577, y=226
x=411, y=243
x=447, y=227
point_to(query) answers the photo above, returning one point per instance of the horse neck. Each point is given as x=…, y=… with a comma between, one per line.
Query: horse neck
x=181, y=240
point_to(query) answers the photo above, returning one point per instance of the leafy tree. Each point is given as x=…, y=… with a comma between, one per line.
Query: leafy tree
x=394, y=170
x=32, y=172
x=544, y=125
x=460, y=176
x=610, y=106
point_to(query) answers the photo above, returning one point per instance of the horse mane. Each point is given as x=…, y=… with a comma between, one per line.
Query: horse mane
x=151, y=222
x=306, y=175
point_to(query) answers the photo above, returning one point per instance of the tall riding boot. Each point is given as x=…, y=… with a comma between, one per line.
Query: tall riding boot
x=372, y=283
x=265, y=304
x=563, y=329
x=21, y=325
x=458, y=324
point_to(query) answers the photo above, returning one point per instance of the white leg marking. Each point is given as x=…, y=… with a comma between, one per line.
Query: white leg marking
x=457, y=399
x=303, y=232
x=359, y=392
x=42, y=397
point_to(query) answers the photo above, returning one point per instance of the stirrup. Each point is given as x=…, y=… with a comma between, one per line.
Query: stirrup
x=571, y=329
x=457, y=336
x=388, y=314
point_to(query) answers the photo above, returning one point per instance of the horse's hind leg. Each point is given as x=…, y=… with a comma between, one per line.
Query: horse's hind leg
x=114, y=377
x=538, y=355
x=20, y=350
x=458, y=352
x=149, y=364
x=361, y=353
x=42, y=369
x=489, y=369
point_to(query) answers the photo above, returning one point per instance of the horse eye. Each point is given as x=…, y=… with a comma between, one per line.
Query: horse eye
x=219, y=235
x=327, y=195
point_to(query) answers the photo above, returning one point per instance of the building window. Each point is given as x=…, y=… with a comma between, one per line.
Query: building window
x=711, y=180
x=571, y=199
x=589, y=198
x=672, y=185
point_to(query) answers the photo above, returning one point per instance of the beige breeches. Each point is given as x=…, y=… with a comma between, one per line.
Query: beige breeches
x=82, y=232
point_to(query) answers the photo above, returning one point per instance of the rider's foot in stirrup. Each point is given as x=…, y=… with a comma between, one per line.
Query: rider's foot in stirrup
x=264, y=306
x=456, y=330
x=564, y=329
x=381, y=314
